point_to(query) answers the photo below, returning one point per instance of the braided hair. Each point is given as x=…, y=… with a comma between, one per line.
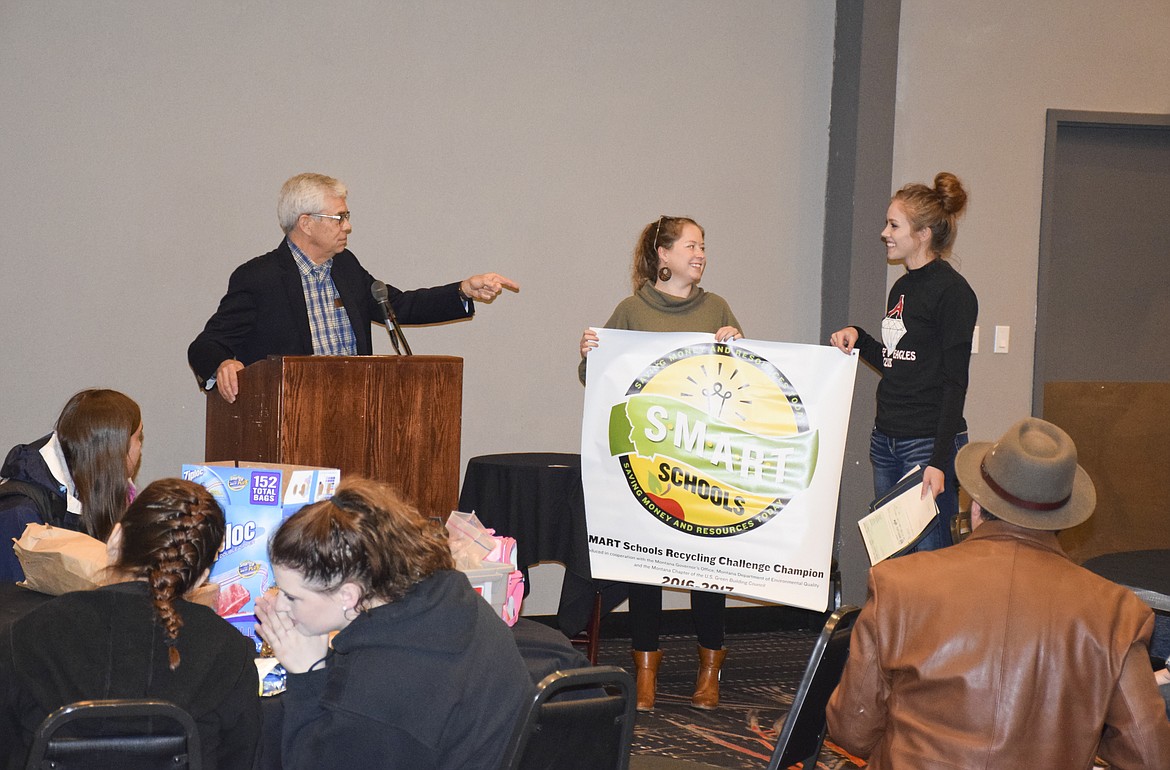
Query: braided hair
x=170, y=535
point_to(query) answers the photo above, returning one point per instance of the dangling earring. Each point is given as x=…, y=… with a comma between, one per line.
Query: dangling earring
x=664, y=274
x=345, y=613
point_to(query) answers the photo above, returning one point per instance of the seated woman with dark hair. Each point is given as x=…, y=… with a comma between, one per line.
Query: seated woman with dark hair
x=422, y=674
x=79, y=477
x=139, y=638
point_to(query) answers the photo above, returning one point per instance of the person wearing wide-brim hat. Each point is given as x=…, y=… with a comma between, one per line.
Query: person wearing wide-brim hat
x=1029, y=477
x=1000, y=652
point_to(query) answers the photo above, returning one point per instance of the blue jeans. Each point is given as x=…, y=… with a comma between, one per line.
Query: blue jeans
x=892, y=458
x=1160, y=643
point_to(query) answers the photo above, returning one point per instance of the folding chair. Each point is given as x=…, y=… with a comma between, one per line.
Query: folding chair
x=81, y=735
x=804, y=727
x=579, y=720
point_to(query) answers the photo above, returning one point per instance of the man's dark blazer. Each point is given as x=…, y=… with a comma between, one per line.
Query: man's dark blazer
x=264, y=311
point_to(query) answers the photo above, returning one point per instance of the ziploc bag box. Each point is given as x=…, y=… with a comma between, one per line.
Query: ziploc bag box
x=501, y=586
x=255, y=498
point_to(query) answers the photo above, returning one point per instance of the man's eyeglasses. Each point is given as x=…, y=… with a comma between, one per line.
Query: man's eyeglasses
x=342, y=217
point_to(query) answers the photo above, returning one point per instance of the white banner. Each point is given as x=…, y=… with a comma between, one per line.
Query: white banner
x=715, y=466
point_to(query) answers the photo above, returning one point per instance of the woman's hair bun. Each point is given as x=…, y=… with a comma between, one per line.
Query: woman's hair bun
x=950, y=193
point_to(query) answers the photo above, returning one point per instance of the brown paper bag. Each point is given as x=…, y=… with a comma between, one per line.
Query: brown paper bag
x=56, y=560
x=206, y=594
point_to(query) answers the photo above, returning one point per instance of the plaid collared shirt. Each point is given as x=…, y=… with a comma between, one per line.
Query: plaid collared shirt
x=328, y=322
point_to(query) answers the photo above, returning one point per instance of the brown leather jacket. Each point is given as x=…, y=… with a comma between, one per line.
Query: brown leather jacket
x=999, y=653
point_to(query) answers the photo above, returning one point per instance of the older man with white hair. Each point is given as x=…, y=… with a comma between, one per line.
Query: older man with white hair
x=311, y=296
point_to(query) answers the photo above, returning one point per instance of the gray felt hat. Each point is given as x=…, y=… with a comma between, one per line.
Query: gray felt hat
x=1029, y=477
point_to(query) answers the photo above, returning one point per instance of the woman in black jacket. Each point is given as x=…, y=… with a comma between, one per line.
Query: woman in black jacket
x=138, y=637
x=421, y=674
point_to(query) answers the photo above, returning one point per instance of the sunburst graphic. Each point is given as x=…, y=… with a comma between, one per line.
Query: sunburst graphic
x=715, y=389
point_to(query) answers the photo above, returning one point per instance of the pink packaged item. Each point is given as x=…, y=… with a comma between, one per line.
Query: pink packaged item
x=513, y=596
x=489, y=563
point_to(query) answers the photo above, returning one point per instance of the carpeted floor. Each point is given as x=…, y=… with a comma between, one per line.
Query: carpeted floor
x=760, y=677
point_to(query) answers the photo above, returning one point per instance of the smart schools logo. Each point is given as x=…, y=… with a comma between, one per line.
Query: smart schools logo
x=713, y=440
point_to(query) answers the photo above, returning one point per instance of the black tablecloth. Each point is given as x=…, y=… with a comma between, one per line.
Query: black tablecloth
x=537, y=498
x=1147, y=573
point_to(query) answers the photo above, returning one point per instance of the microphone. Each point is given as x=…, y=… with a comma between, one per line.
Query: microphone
x=382, y=296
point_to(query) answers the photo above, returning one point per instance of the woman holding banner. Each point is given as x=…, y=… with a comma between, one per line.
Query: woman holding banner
x=669, y=261
x=924, y=352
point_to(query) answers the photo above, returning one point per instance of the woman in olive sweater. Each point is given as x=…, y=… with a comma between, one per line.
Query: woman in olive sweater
x=669, y=260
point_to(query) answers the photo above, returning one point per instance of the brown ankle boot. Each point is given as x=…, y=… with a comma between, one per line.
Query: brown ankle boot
x=706, y=695
x=647, y=666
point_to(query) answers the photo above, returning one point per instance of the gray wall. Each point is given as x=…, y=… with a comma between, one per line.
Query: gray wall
x=144, y=145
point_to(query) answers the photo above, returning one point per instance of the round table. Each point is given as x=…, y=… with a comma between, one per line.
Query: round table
x=1146, y=573
x=537, y=498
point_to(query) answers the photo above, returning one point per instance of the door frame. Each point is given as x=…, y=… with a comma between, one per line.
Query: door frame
x=1056, y=119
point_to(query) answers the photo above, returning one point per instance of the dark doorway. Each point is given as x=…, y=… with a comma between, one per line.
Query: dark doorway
x=1103, y=296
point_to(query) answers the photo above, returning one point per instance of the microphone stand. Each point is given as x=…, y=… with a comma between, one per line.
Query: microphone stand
x=381, y=296
x=394, y=330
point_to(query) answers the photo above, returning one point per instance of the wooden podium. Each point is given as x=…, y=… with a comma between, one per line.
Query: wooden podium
x=391, y=418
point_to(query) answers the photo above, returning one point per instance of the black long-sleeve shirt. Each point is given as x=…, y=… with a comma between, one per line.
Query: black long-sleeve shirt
x=923, y=356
